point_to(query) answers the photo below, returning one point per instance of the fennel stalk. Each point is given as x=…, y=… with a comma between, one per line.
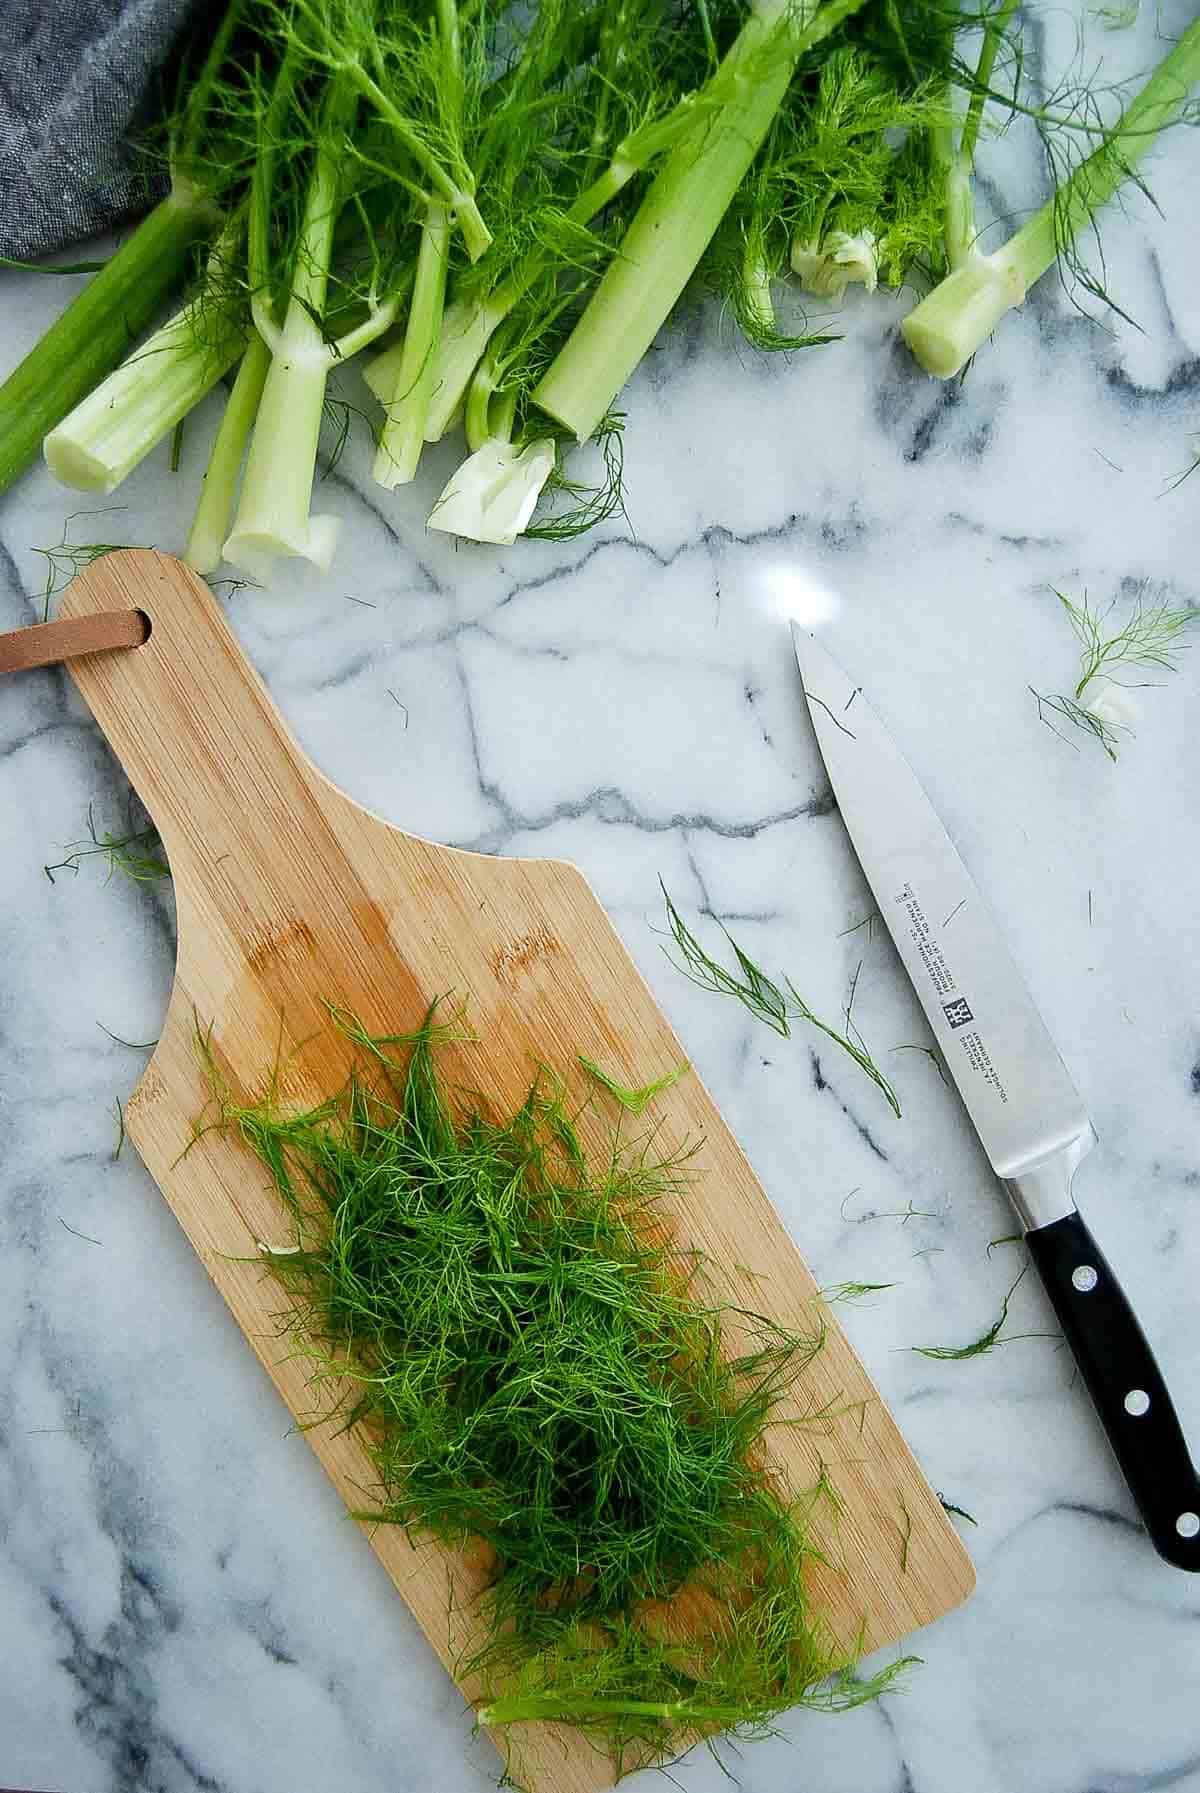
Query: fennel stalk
x=680, y=213
x=97, y=328
x=952, y=321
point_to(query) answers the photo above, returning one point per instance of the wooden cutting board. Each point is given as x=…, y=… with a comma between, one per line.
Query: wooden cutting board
x=289, y=894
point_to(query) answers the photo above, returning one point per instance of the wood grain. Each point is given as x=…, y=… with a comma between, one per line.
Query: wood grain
x=288, y=893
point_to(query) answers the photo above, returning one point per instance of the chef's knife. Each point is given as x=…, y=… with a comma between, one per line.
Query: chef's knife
x=1027, y=1112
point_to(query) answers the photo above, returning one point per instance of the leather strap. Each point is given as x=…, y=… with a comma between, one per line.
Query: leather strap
x=45, y=644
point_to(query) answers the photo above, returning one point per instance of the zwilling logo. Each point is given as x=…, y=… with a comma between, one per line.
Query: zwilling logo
x=957, y=1012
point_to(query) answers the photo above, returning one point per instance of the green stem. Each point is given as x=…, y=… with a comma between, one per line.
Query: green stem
x=310, y=279
x=951, y=322
x=632, y=154
x=456, y=194
x=502, y=415
x=756, y=289
x=993, y=32
x=958, y=231
x=599, y=193
x=87, y=341
x=273, y=515
x=958, y=162
x=1035, y=246
x=403, y=432
x=679, y=214
x=451, y=93
x=479, y=399
x=381, y=317
x=607, y=67
x=210, y=525
x=469, y=327
x=262, y=186
x=187, y=146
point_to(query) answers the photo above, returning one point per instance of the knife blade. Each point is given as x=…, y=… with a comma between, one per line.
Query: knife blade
x=1030, y=1118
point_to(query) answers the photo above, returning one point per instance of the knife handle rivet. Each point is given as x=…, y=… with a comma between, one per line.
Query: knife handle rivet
x=1188, y=1524
x=1084, y=1278
x=1137, y=1402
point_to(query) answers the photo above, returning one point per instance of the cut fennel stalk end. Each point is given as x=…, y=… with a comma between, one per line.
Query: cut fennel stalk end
x=952, y=321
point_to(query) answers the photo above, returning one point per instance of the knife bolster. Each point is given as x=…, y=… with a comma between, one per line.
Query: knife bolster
x=1041, y=1193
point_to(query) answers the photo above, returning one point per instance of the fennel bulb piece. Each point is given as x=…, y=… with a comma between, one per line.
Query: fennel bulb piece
x=491, y=497
x=1112, y=704
x=828, y=268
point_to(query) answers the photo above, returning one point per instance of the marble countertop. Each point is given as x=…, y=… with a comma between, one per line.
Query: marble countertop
x=182, y=1603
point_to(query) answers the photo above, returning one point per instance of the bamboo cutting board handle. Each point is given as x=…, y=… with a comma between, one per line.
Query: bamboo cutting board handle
x=290, y=895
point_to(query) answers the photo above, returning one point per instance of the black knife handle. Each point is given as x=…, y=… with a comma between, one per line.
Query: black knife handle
x=1125, y=1383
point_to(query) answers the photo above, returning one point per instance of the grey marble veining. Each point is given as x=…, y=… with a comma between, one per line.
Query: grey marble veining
x=182, y=1603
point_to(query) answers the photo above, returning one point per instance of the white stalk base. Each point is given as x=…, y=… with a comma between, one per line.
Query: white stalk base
x=959, y=315
x=105, y=437
x=256, y=551
x=273, y=516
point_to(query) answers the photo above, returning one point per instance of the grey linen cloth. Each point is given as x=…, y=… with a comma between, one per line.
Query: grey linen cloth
x=73, y=77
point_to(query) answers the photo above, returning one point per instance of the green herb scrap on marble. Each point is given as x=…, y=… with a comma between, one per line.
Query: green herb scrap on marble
x=948, y=1506
x=66, y=558
x=853, y=1291
x=535, y=1366
x=1149, y=638
x=1179, y=478
x=988, y=1340
x=137, y=852
x=776, y=1006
